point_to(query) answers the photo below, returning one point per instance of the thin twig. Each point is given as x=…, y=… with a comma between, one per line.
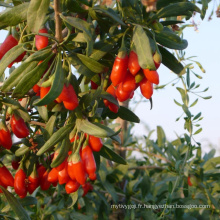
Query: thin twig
x=58, y=23
x=37, y=123
x=160, y=157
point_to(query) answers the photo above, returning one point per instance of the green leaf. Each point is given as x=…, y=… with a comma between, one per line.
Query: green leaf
x=109, y=187
x=128, y=115
x=39, y=55
x=204, y=8
x=111, y=155
x=123, y=113
x=143, y=49
x=177, y=103
x=93, y=65
x=213, y=200
x=28, y=200
x=171, y=40
x=73, y=6
x=10, y=56
x=82, y=26
x=186, y=110
x=14, y=16
x=21, y=151
x=30, y=79
x=170, y=61
x=55, y=138
x=74, y=197
x=108, y=12
x=49, y=127
x=81, y=68
x=197, y=116
x=176, y=9
x=198, y=131
x=94, y=129
x=36, y=14
x=17, y=75
x=15, y=205
x=183, y=94
x=57, y=85
x=194, y=103
x=109, y=97
x=161, y=138
x=16, y=106
x=43, y=112
x=145, y=185
x=63, y=152
x=101, y=48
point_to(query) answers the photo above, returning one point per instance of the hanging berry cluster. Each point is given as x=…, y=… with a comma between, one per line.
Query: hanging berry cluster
x=74, y=171
x=127, y=76
x=18, y=127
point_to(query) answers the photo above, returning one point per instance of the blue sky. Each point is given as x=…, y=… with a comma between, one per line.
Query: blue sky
x=205, y=45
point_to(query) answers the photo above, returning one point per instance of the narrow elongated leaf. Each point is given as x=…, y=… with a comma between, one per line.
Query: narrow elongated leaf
x=15, y=205
x=171, y=40
x=101, y=48
x=145, y=185
x=36, y=14
x=109, y=97
x=28, y=200
x=170, y=61
x=55, y=138
x=93, y=65
x=111, y=155
x=74, y=197
x=128, y=115
x=143, y=49
x=113, y=135
x=204, y=8
x=176, y=9
x=109, y=187
x=198, y=131
x=57, y=85
x=108, y=12
x=91, y=129
x=10, y=56
x=95, y=129
x=161, y=138
x=63, y=153
x=123, y=113
x=49, y=127
x=14, y=16
x=39, y=55
x=43, y=112
x=81, y=68
x=30, y=79
x=83, y=26
x=16, y=106
x=17, y=75
x=21, y=151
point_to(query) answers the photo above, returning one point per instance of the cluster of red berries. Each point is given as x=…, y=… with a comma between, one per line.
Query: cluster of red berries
x=18, y=127
x=73, y=171
x=68, y=95
x=127, y=76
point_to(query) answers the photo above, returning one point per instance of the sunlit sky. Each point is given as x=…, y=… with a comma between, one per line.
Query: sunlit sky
x=204, y=44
